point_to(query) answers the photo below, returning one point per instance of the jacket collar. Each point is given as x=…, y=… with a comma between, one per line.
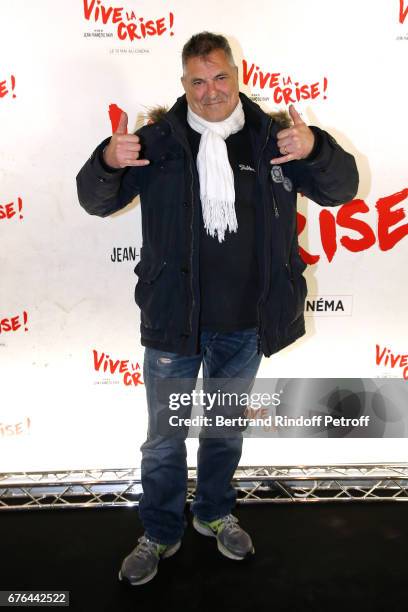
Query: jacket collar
x=259, y=124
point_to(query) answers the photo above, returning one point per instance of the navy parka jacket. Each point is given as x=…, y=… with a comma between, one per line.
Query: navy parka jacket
x=168, y=291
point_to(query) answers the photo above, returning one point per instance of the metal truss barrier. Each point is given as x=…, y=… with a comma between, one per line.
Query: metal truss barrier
x=267, y=484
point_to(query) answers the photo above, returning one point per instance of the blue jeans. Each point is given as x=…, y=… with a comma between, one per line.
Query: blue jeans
x=164, y=463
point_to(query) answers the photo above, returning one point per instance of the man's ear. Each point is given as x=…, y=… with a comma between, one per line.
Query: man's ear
x=182, y=82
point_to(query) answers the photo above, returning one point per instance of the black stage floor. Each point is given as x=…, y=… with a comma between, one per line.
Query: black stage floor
x=308, y=557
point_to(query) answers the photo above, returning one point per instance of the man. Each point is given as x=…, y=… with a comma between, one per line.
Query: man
x=220, y=277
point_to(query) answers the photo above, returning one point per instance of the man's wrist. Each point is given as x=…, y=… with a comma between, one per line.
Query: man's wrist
x=317, y=146
x=103, y=162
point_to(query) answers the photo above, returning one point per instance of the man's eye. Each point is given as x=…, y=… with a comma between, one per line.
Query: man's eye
x=197, y=82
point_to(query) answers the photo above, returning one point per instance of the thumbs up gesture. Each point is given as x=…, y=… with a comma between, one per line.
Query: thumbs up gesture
x=123, y=149
x=295, y=142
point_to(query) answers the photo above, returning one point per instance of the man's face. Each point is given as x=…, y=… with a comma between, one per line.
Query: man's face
x=211, y=85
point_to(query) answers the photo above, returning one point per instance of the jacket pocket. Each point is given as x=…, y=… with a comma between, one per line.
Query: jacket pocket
x=153, y=293
x=297, y=288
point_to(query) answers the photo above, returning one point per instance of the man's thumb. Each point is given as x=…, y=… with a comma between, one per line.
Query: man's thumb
x=123, y=124
x=294, y=115
x=118, y=122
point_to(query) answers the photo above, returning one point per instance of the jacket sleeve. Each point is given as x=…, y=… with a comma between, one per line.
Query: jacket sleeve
x=329, y=176
x=101, y=190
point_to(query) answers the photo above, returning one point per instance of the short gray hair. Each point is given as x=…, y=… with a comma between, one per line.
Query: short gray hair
x=202, y=44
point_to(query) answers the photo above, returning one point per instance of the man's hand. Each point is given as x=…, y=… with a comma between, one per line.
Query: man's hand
x=123, y=148
x=295, y=142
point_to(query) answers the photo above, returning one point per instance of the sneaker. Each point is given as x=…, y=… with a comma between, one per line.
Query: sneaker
x=140, y=565
x=232, y=540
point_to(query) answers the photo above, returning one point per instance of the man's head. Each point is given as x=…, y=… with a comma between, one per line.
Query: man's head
x=210, y=76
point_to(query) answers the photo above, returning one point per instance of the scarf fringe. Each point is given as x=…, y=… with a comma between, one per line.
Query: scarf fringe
x=219, y=217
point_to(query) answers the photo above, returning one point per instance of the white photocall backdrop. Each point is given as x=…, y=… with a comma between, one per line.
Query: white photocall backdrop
x=66, y=308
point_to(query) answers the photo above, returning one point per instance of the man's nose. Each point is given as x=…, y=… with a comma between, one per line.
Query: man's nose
x=211, y=89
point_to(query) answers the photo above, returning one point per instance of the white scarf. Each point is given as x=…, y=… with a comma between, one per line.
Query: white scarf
x=216, y=177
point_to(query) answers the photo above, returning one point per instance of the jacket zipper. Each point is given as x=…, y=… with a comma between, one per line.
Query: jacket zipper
x=275, y=206
x=190, y=314
x=187, y=149
x=260, y=330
